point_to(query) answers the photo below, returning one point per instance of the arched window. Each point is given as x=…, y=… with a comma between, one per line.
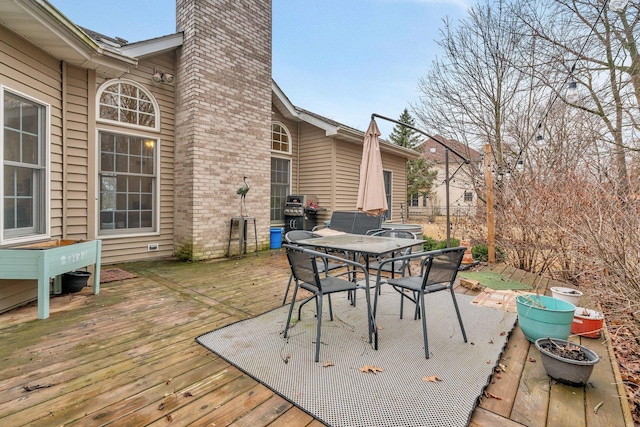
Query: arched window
x=280, y=138
x=126, y=103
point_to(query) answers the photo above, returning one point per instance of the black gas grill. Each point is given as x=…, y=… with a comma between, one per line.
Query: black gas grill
x=301, y=212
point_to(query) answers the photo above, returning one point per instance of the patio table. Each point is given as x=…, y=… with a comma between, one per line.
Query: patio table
x=362, y=244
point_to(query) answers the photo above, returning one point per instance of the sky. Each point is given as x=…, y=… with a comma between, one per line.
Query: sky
x=342, y=59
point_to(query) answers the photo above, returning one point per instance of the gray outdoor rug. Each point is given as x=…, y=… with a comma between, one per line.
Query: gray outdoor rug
x=404, y=393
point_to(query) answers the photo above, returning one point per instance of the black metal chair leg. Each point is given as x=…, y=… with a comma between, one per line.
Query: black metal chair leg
x=286, y=293
x=424, y=326
x=319, y=325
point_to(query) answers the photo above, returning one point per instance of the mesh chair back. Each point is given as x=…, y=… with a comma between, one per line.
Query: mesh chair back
x=364, y=223
x=444, y=266
x=303, y=267
x=294, y=236
x=400, y=234
x=342, y=221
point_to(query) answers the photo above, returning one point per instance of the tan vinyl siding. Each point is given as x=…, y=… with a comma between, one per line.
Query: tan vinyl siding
x=126, y=248
x=75, y=157
x=27, y=70
x=316, y=165
x=397, y=165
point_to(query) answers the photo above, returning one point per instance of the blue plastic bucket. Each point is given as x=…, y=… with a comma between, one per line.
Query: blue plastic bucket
x=544, y=317
x=275, y=238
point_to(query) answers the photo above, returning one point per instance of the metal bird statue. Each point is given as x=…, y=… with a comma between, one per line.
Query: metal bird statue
x=242, y=191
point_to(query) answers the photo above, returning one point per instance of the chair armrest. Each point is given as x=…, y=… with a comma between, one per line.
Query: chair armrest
x=406, y=258
x=327, y=257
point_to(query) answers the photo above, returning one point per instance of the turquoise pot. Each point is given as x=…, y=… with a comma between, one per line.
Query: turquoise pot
x=544, y=317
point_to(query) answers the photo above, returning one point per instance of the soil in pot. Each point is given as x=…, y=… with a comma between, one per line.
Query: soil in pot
x=566, y=362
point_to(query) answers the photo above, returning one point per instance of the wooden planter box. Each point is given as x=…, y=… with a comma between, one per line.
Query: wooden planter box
x=42, y=261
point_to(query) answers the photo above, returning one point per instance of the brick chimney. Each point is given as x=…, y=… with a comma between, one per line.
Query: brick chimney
x=223, y=121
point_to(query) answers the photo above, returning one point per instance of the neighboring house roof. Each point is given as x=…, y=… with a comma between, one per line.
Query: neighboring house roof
x=435, y=152
x=330, y=126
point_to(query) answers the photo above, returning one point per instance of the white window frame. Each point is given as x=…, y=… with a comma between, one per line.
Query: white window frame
x=286, y=130
x=125, y=232
x=152, y=98
x=275, y=222
x=44, y=195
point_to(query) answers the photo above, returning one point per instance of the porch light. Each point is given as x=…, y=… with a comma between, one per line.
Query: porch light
x=572, y=91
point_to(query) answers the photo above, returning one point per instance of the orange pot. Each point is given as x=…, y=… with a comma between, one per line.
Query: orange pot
x=587, y=323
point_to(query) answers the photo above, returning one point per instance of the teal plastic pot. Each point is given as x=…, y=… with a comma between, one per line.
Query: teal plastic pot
x=544, y=317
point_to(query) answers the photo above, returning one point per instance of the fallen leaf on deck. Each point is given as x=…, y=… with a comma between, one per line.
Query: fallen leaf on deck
x=595, y=410
x=169, y=417
x=370, y=368
x=532, y=360
x=490, y=341
x=327, y=364
x=492, y=396
x=187, y=394
x=431, y=379
x=169, y=381
x=161, y=406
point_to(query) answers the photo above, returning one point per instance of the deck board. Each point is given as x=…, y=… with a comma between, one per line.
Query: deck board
x=128, y=356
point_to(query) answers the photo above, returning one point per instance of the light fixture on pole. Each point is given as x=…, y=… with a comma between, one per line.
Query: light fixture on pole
x=539, y=138
x=618, y=5
x=572, y=91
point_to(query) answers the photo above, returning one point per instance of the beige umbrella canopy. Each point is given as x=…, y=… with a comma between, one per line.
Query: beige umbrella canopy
x=372, y=198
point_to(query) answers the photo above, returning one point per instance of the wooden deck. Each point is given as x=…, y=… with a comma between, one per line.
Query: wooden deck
x=128, y=357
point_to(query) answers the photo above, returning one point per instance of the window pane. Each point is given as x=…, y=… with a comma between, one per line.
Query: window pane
x=30, y=118
x=107, y=162
x=9, y=181
x=146, y=219
x=128, y=116
x=121, y=201
x=30, y=149
x=11, y=145
x=9, y=213
x=24, y=182
x=109, y=98
x=135, y=164
x=122, y=163
x=121, y=220
x=109, y=113
x=11, y=112
x=24, y=213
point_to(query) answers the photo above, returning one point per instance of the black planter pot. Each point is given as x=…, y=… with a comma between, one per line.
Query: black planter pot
x=567, y=371
x=74, y=281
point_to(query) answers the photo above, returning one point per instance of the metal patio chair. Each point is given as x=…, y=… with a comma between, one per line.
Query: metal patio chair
x=304, y=267
x=438, y=271
x=293, y=237
x=400, y=268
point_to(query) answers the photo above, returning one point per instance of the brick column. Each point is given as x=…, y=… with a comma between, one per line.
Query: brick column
x=223, y=121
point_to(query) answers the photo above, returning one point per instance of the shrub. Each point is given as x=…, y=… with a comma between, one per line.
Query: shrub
x=431, y=244
x=481, y=253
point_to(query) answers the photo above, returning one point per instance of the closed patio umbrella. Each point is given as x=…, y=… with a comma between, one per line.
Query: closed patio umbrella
x=372, y=198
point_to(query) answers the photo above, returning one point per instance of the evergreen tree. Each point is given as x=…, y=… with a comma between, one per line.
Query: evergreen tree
x=419, y=175
x=402, y=135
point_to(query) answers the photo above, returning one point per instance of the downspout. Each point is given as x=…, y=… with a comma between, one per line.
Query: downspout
x=298, y=160
x=64, y=148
